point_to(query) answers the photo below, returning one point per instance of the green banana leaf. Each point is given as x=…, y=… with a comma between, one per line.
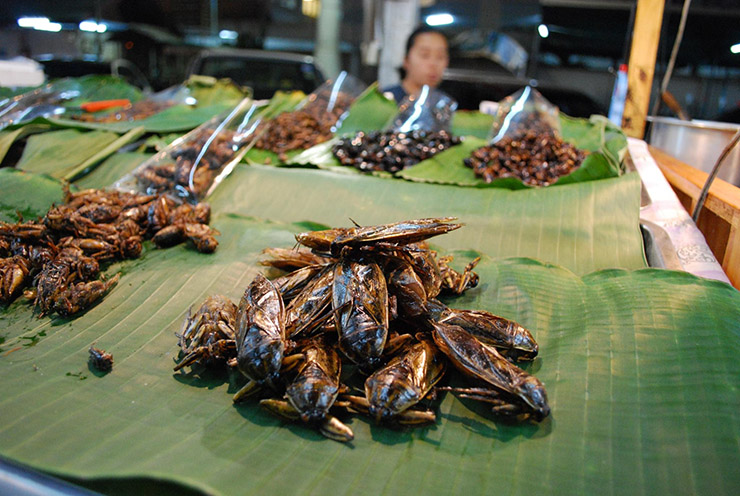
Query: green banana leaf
x=448, y=168
x=640, y=368
x=214, y=97
x=7, y=138
x=158, y=142
x=584, y=227
x=29, y=195
x=369, y=112
x=209, y=91
x=97, y=87
x=606, y=143
x=70, y=153
x=176, y=118
x=471, y=123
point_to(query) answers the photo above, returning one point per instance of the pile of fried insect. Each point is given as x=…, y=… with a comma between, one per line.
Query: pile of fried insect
x=55, y=261
x=364, y=296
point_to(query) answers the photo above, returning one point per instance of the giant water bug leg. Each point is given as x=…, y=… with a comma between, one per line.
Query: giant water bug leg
x=281, y=408
x=416, y=417
x=356, y=404
x=336, y=430
x=250, y=388
x=469, y=279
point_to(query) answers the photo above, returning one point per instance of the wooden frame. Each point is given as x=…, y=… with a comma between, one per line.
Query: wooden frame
x=719, y=219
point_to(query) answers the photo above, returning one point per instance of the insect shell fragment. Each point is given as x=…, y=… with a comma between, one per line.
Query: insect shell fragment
x=100, y=359
x=209, y=336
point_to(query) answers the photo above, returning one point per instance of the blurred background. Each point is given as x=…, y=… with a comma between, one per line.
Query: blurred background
x=570, y=49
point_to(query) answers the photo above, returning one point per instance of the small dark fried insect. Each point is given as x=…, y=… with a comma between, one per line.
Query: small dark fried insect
x=537, y=158
x=179, y=177
x=391, y=151
x=303, y=128
x=13, y=273
x=100, y=359
x=60, y=255
x=209, y=335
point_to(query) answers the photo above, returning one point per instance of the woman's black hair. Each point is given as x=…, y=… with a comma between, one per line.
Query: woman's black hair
x=423, y=29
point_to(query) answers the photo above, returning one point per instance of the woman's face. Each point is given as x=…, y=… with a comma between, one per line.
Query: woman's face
x=427, y=60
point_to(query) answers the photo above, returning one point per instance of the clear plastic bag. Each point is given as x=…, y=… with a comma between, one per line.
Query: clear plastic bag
x=526, y=143
x=315, y=119
x=419, y=131
x=334, y=97
x=431, y=110
x=525, y=110
x=193, y=165
x=152, y=104
x=41, y=102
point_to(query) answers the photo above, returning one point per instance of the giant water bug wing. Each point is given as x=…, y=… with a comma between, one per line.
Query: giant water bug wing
x=509, y=337
x=404, y=232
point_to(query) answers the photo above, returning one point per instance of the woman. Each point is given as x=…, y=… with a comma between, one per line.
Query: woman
x=427, y=56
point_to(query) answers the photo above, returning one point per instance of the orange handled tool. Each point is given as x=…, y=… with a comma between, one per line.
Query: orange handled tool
x=104, y=104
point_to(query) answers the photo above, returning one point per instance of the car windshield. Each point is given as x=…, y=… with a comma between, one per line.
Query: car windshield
x=264, y=76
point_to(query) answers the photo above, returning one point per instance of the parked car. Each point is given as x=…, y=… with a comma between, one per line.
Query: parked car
x=263, y=71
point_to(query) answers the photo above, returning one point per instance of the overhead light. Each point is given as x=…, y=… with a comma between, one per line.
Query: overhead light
x=54, y=27
x=93, y=27
x=30, y=22
x=440, y=19
x=543, y=31
x=40, y=23
x=735, y=48
x=227, y=34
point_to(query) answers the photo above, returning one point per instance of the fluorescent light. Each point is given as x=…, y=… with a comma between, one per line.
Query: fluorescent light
x=93, y=27
x=227, y=34
x=543, y=31
x=54, y=27
x=735, y=48
x=40, y=23
x=32, y=22
x=440, y=19
x=89, y=26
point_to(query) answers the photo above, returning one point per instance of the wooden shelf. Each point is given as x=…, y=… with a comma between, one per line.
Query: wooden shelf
x=719, y=220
